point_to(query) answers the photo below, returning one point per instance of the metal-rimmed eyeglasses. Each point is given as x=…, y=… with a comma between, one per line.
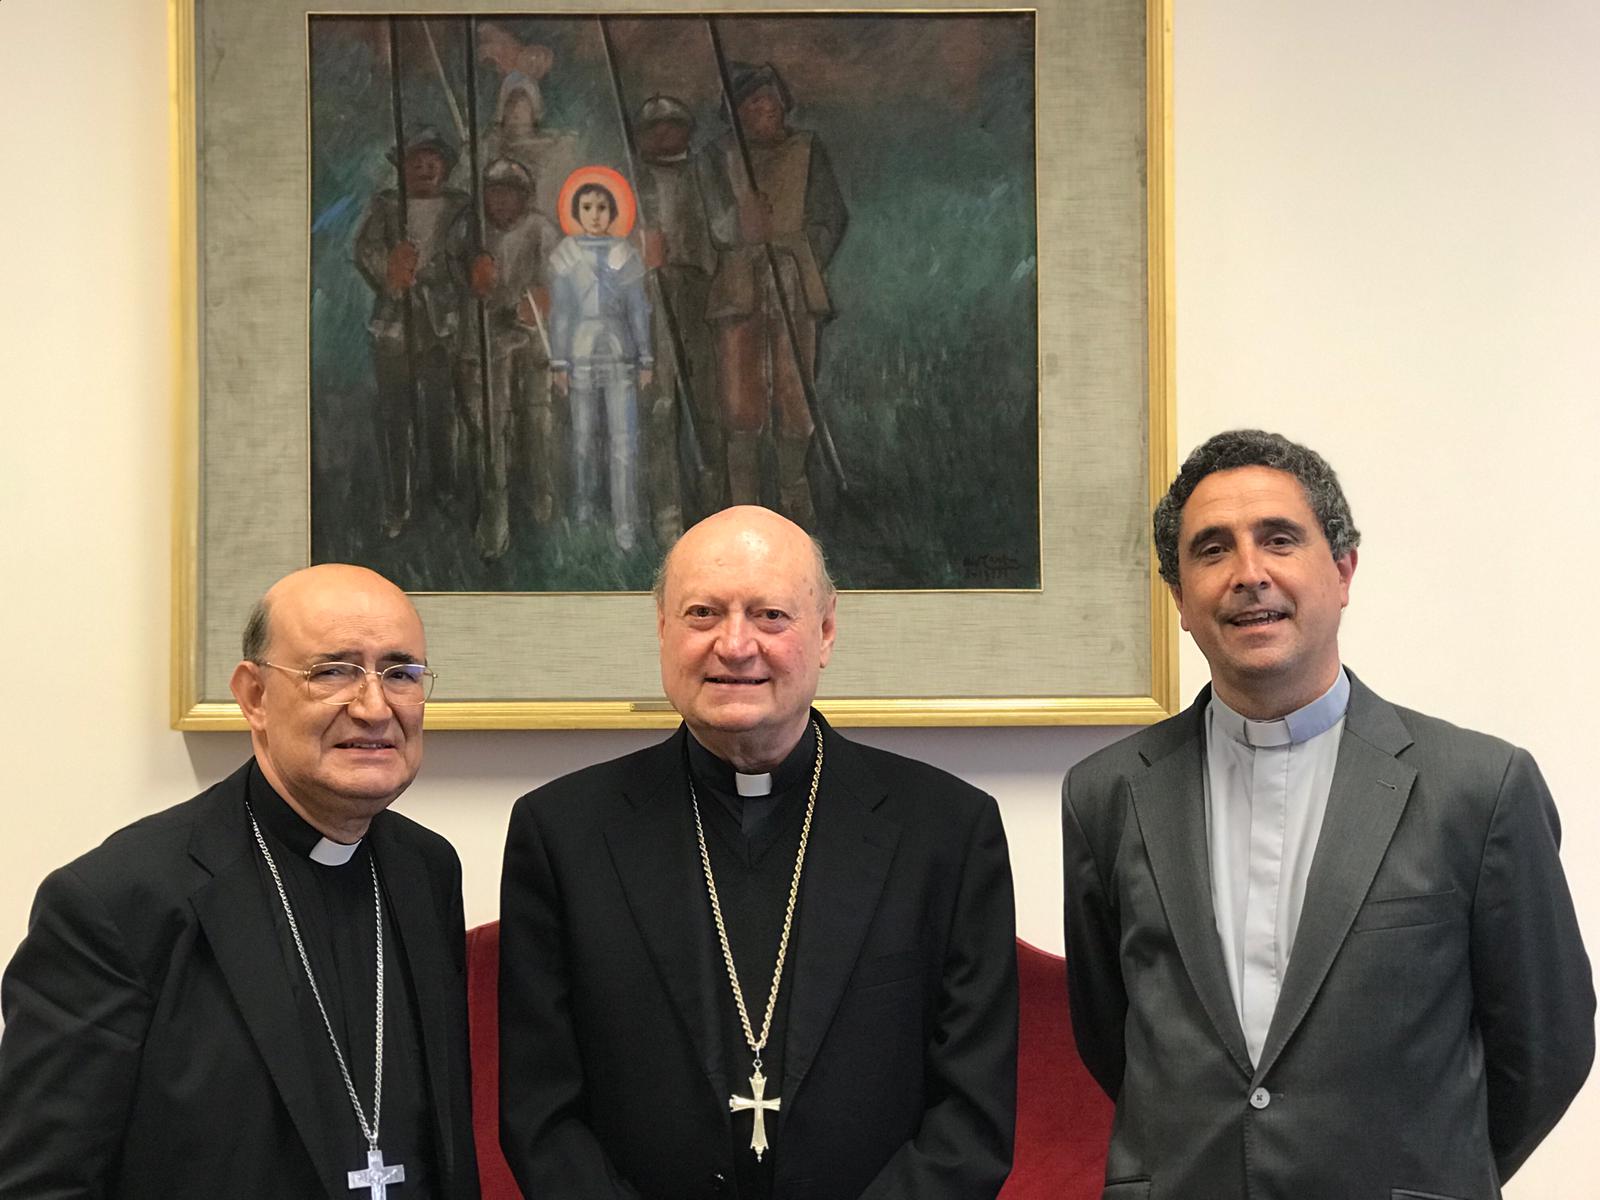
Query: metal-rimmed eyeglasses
x=340, y=683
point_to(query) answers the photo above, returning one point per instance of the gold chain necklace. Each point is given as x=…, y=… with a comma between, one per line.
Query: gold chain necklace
x=756, y=1101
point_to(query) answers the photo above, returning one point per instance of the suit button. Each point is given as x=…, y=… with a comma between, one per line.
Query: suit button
x=1260, y=1098
x=719, y=1183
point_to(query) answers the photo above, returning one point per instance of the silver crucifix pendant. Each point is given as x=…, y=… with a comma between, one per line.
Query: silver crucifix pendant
x=377, y=1176
x=758, y=1104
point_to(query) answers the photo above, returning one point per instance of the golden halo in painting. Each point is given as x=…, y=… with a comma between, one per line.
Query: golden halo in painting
x=626, y=206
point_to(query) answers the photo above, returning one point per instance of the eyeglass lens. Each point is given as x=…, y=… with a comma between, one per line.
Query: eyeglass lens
x=340, y=683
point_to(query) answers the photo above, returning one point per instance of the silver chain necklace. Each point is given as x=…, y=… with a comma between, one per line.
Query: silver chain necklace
x=756, y=1102
x=377, y=1174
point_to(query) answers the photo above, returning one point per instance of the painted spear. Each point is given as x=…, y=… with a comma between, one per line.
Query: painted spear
x=486, y=449
x=408, y=322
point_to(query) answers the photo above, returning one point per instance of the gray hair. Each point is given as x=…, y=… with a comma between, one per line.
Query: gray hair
x=257, y=630
x=1237, y=448
x=825, y=584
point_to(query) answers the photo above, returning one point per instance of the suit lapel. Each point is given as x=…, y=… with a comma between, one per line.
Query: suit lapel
x=1369, y=794
x=1169, y=800
x=233, y=911
x=657, y=862
x=846, y=864
x=409, y=893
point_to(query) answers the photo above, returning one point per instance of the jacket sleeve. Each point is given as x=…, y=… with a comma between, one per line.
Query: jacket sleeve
x=76, y=1012
x=1533, y=995
x=1095, y=991
x=544, y=1128
x=464, y=1183
x=962, y=1150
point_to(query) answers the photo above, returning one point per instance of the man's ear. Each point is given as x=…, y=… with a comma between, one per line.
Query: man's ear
x=829, y=627
x=1177, y=600
x=1346, y=567
x=249, y=688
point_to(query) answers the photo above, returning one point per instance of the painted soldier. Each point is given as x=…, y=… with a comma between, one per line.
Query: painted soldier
x=796, y=209
x=509, y=419
x=682, y=259
x=518, y=132
x=413, y=324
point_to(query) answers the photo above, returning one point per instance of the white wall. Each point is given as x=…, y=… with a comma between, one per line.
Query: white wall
x=1386, y=247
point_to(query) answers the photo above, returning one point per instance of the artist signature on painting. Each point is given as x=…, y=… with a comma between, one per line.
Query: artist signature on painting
x=990, y=570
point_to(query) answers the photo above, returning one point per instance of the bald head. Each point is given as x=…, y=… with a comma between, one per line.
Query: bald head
x=750, y=523
x=341, y=584
x=337, y=764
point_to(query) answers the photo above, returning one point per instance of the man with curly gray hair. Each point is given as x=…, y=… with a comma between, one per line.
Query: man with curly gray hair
x=1317, y=945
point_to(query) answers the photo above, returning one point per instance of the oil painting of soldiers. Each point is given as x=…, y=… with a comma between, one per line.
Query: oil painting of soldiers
x=806, y=278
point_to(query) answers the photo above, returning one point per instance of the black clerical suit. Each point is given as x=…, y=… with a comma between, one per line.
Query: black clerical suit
x=898, y=1051
x=752, y=841
x=160, y=1040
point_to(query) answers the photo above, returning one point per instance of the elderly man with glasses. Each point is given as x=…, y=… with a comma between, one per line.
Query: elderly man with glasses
x=260, y=991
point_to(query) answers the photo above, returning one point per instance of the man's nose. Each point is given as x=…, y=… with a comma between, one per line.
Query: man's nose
x=371, y=703
x=1250, y=570
x=734, y=640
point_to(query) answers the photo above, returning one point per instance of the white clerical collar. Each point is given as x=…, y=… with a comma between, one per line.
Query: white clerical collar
x=720, y=775
x=333, y=854
x=753, y=785
x=1303, y=724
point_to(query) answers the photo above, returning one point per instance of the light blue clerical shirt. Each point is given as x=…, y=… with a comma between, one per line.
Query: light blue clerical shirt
x=1267, y=786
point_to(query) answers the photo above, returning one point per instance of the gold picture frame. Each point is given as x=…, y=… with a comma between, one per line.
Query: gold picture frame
x=1095, y=643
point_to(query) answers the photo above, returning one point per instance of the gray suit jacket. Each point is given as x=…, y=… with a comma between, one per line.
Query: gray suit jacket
x=1435, y=1020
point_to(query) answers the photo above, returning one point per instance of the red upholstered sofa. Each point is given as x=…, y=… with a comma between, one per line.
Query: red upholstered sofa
x=1063, y=1118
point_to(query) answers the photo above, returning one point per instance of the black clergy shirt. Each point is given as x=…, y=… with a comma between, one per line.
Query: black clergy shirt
x=333, y=907
x=752, y=842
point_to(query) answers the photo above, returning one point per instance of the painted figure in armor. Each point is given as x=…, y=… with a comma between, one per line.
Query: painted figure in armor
x=600, y=356
x=413, y=325
x=679, y=253
x=518, y=132
x=510, y=418
x=795, y=208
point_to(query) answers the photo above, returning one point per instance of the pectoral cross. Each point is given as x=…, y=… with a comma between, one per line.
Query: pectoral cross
x=757, y=1103
x=377, y=1176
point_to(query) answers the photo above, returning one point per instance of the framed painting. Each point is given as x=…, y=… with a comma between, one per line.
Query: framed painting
x=497, y=298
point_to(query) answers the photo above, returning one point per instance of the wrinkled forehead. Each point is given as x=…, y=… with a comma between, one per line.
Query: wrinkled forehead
x=370, y=623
